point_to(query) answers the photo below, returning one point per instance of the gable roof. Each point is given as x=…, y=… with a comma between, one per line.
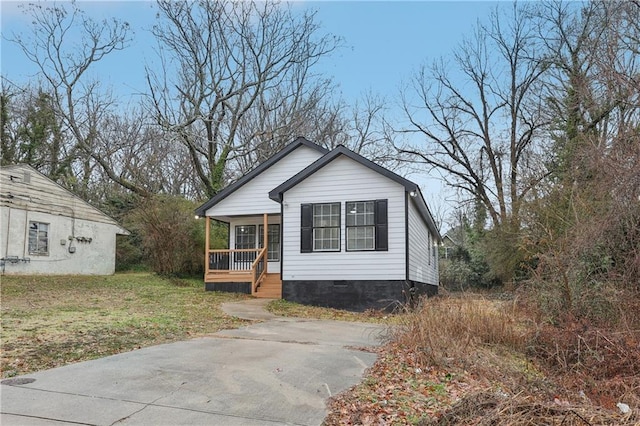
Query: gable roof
x=200, y=211
x=276, y=194
x=24, y=187
x=410, y=187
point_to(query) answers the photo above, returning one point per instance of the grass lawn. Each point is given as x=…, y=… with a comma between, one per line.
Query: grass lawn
x=52, y=321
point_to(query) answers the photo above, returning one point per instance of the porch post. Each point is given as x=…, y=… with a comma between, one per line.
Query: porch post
x=207, y=228
x=264, y=231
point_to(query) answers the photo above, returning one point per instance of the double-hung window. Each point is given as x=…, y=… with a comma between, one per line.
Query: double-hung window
x=366, y=226
x=39, y=238
x=326, y=227
x=361, y=227
x=320, y=227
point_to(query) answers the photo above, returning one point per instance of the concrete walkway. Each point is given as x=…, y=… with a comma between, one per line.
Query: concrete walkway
x=250, y=309
x=281, y=371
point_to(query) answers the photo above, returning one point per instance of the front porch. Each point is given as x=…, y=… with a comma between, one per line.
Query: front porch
x=245, y=268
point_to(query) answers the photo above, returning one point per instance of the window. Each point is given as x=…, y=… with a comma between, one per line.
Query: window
x=245, y=239
x=319, y=227
x=273, y=241
x=39, y=238
x=326, y=227
x=366, y=227
x=360, y=225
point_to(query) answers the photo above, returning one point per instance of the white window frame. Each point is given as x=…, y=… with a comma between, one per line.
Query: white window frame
x=360, y=219
x=323, y=231
x=36, y=238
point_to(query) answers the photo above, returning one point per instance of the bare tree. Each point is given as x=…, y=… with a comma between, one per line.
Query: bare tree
x=583, y=229
x=140, y=152
x=480, y=128
x=592, y=84
x=360, y=127
x=221, y=61
x=365, y=130
x=64, y=45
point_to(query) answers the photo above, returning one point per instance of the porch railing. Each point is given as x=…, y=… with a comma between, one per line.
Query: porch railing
x=259, y=270
x=239, y=260
x=238, y=263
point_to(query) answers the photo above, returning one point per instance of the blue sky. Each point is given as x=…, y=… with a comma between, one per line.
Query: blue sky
x=385, y=42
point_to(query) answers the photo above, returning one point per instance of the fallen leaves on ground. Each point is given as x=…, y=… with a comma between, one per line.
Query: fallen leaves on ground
x=396, y=390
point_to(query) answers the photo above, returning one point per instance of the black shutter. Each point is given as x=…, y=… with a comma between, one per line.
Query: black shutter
x=382, y=227
x=306, y=228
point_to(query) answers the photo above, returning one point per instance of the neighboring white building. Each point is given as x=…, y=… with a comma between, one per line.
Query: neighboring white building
x=341, y=231
x=45, y=229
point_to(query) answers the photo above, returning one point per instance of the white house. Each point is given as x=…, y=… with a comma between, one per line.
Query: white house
x=45, y=229
x=340, y=231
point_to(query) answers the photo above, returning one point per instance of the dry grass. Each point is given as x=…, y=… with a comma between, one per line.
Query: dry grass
x=52, y=321
x=445, y=328
x=472, y=361
x=488, y=408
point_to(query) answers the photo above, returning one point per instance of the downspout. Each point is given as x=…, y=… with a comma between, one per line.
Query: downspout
x=281, y=238
x=406, y=236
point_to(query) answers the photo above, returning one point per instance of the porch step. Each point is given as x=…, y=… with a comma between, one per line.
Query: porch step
x=271, y=287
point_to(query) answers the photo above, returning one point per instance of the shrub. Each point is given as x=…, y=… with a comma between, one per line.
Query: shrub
x=172, y=240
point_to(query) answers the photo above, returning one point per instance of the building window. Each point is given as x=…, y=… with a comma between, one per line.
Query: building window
x=360, y=225
x=320, y=226
x=39, y=238
x=326, y=227
x=273, y=241
x=245, y=239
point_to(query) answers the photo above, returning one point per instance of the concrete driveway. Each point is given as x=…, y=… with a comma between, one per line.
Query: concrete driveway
x=281, y=371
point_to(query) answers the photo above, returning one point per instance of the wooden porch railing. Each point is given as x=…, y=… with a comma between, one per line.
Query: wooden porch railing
x=259, y=270
x=238, y=265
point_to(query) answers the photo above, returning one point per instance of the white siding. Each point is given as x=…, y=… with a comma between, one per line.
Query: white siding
x=339, y=181
x=88, y=258
x=423, y=261
x=253, y=197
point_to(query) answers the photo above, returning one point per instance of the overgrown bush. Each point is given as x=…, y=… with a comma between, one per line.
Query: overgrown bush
x=172, y=241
